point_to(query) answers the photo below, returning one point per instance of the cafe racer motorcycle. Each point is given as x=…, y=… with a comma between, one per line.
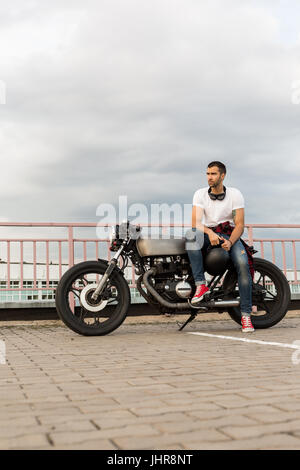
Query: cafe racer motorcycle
x=93, y=297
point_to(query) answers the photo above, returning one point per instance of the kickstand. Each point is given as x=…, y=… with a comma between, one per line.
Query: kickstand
x=191, y=318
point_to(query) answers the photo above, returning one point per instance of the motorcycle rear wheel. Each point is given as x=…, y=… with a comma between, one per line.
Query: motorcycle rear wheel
x=79, y=316
x=272, y=305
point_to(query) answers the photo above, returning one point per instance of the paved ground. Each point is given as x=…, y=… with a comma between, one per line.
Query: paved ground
x=148, y=386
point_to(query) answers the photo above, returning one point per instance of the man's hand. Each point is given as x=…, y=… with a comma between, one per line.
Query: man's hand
x=214, y=238
x=226, y=245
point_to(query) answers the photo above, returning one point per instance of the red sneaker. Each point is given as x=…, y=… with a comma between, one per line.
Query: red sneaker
x=247, y=324
x=200, y=292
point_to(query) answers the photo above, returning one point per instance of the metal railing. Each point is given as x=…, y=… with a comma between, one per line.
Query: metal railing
x=27, y=261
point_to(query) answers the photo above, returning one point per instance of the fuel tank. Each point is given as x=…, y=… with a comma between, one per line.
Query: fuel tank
x=160, y=247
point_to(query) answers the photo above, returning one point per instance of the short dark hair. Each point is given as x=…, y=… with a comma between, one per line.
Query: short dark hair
x=220, y=165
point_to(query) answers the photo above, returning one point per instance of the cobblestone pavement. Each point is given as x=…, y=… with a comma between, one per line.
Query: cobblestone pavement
x=149, y=386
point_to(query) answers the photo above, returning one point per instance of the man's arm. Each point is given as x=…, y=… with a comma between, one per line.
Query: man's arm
x=238, y=216
x=197, y=213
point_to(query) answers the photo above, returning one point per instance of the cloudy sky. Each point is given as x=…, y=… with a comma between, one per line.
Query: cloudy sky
x=135, y=97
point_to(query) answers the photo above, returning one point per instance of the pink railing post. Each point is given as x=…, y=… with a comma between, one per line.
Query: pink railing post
x=133, y=276
x=71, y=263
x=283, y=257
x=8, y=264
x=262, y=249
x=47, y=264
x=250, y=235
x=295, y=261
x=21, y=264
x=71, y=246
x=273, y=253
x=59, y=260
x=34, y=264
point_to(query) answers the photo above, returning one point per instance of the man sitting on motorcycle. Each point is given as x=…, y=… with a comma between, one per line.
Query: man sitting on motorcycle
x=223, y=212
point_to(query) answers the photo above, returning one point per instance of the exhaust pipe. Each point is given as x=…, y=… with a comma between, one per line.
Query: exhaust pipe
x=184, y=305
x=159, y=298
x=224, y=303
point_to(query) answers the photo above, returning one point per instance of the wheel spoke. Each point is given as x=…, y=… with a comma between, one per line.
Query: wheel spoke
x=266, y=308
x=271, y=294
x=75, y=293
x=85, y=282
x=83, y=313
x=265, y=299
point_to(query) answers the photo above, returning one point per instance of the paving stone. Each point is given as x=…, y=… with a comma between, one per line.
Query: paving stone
x=217, y=423
x=275, y=417
x=149, y=387
x=73, y=437
x=159, y=442
x=34, y=441
x=96, y=444
x=196, y=405
x=269, y=442
x=112, y=422
x=71, y=425
x=238, y=432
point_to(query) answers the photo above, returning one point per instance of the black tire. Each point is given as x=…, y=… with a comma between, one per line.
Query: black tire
x=111, y=316
x=277, y=307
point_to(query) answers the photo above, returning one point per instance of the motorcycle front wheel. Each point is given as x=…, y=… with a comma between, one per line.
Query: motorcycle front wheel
x=77, y=309
x=271, y=295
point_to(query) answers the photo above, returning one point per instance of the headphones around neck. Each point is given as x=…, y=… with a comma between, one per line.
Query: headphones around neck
x=220, y=196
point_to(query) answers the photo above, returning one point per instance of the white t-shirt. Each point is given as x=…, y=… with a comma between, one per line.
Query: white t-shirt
x=216, y=212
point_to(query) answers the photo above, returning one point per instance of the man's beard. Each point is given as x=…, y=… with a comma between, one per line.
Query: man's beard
x=215, y=185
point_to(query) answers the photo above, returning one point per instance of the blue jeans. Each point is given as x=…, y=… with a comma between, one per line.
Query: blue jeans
x=239, y=258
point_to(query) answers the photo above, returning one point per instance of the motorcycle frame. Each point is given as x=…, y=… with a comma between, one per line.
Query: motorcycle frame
x=128, y=246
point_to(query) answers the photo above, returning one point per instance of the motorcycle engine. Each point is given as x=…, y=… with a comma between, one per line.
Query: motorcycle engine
x=182, y=288
x=171, y=281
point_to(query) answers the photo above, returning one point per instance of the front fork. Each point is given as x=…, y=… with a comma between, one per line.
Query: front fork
x=112, y=264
